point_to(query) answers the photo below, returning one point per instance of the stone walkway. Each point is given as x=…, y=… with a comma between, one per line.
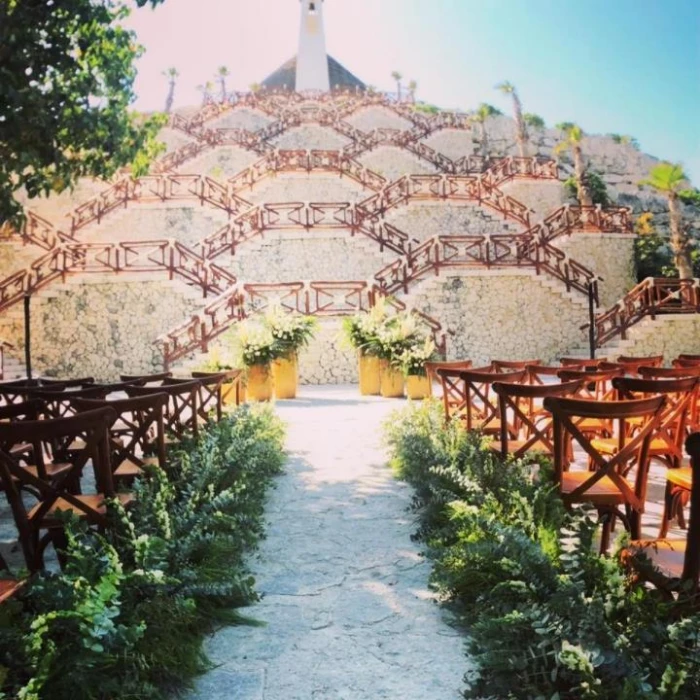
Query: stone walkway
x=347, y=610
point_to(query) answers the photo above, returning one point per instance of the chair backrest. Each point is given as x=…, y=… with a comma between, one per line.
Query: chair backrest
x=181, y=414
x=91, y=428
x=685, y=362
x=138, y=427
x=681, y=396
x=691, y=563
x=28, y=410
x=431, y=369
x=537, y=374
x=66, y=383
x=581, y=362
x=58, y=402
x=567, y=413
x=596, y=386
x=467, y=396
x=143, y=379
x=214, y=389
x=645, y=361
x=669, y=372
x=519, y=400
x=687, y=357
x=510, y=365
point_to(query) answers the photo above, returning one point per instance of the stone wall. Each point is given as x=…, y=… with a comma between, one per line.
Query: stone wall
x=100, y=330
x=327, y=360
x=299, y=187
x=173, y=139
x=501, y=315
x=309, y=137
x=667, y=335
x=371, y=118
x=392, y=163
x=293, y=256
x=609, y=255
x=241, y=118
x=540, y=196
x=454, y=143
x=221, y=163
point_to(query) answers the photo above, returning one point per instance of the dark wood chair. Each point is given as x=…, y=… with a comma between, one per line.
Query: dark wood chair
x=431, y=369
x=57, y=493
x=77, y=383
x=181, y=413
x=669, y=372
x=215, y=388
x=138, y=430
x=605, y=484
x=688, y=360
x=673, y=565
x=523, y=403
x=581, y=362
x=634, y=363
x=513, y=365
x=144, y=379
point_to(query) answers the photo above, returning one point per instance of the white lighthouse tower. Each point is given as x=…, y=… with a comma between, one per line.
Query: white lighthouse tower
x=312, y=59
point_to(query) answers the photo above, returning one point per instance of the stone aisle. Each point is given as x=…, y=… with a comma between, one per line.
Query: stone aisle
x=347, y=610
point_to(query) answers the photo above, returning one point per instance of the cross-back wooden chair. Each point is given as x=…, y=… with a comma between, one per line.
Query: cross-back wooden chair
x=16, y=394
x=687, y=360
x=581, y=362
x=669, y=372
x=522, y=402
x=513, y=365
x=431, y=370
x=467, y=396
x=145, y=379
x=634, y=363
x=76, y=383
x=57, y=493
x=59, y=402
x=543, y=374
x=137, y=431
x=214, y=388
x=673, y=565
x=181, y=413
x=605, y=485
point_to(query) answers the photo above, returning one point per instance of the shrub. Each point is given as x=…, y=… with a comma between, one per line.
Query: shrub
x=546, y=616
x=126, y=616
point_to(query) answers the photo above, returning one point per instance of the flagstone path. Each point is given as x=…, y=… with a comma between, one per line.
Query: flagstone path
x=347, y=609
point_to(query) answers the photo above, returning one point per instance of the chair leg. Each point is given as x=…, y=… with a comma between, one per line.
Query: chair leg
x=606, y=519
x=668, y=511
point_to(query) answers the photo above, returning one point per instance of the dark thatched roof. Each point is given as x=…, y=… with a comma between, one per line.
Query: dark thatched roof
x=285, y=77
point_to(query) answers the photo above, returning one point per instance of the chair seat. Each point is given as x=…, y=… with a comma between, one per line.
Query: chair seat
x=129, y=469
x=609, y=446
x=8, y=587
x=94, y=501
x=603, y=492
x=52, y=469
x=667, y=555
x=682, y=477
x=593, y=425
x=515, y=445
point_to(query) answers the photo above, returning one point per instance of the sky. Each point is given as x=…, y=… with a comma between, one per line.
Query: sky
x=612, y=66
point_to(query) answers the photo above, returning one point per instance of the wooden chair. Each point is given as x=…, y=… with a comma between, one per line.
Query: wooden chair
x=673, y=565
x=138, y=429
x=605, y=485
x=56, y=494
x=214, y=388
x=181, y=413
x=543, y=374
x=513, y=365
x=431, y=369
x=581, y=362
x=467, y=396
x=634, y=363
x=522, y=401
x=688, y=359
x=58, y=402
x=143, y=379
x=78, y=383
x=669, y=372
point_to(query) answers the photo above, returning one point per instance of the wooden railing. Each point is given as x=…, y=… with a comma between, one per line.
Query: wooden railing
x=653, y=297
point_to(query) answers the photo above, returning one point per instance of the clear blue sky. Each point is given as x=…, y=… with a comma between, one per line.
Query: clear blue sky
x=621, y=66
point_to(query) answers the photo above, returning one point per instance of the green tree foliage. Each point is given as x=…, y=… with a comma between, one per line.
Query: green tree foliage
x=572, y=136
x=480, y=116
x=625, y=140
x=534, y=121
x=508, y=88
x=66, y=83
x=595, y=185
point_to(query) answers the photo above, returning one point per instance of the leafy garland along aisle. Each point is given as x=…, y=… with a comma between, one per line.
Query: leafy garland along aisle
x=546, y=617
x=127, y=616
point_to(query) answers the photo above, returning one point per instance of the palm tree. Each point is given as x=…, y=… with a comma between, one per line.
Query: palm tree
x=221, y=74
x=571, y=139
x=479, y=116
x=534, y=121
x=206, y=91
x=397, y=77
x=521, y=132
x=669, y=179
x=171, y=74
x=255, y=87
x=412, y=87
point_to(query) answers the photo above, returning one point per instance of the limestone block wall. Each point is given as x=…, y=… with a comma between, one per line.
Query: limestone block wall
x=173, y=139
x=299, y=187
x=141, y=222
x=609, y=255
x=667, y=335
x=371, y=118
x=454, y=143
x=424, y=220
x=101, y=329
x=501, y=315
x=327, y=360
x=541, y=196
x=292, y=256
x=241, y=118
x=221, y=163
x=308, y=137
x=56, y=207
x=392, y=163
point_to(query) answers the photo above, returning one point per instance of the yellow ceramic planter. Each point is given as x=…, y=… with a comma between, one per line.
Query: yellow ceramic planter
x=417, y=387
x=285, y=376
x=369, y=375
x=391, y=381
x=259, y=383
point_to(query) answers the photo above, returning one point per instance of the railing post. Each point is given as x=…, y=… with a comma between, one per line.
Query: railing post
x=591, y=319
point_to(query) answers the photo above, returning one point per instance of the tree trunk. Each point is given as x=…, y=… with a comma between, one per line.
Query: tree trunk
x=170, y=98
x=584, y=196
x=398, y=91
x=680, y=243
x=521, y=132
x=484, y=139
x=222, y=81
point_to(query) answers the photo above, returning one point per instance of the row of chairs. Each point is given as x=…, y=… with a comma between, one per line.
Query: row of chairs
x=618, y=415
x=51, y=432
